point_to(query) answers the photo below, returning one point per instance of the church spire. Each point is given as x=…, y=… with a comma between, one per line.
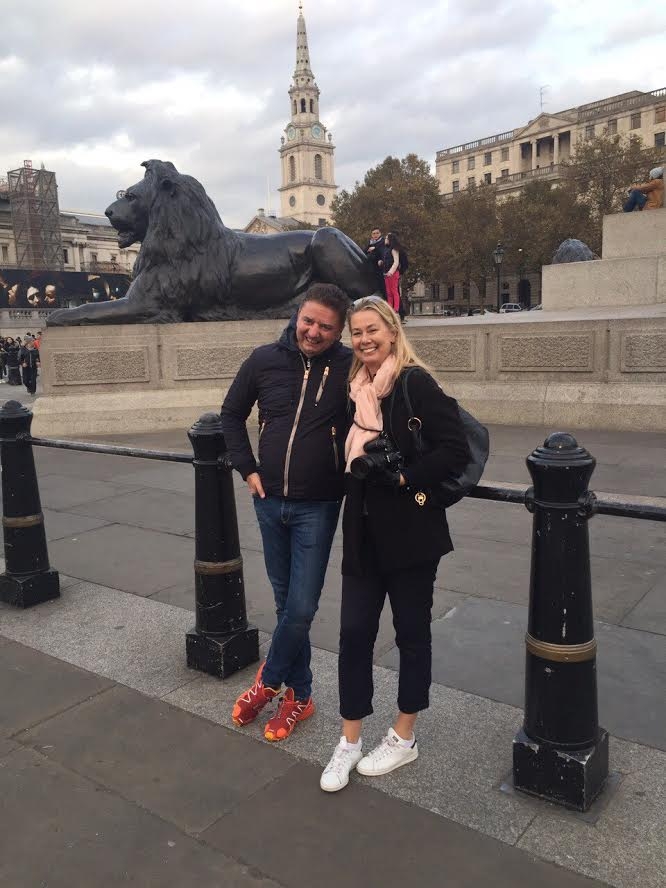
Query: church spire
x=302, y=73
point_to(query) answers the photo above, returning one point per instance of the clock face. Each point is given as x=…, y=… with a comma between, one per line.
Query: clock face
x=291, y=133
x=317, y=131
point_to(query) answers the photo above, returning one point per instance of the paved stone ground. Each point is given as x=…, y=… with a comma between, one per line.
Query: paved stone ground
x=160, y=761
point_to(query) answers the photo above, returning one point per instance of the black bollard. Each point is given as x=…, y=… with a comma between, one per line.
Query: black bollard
x=561, y=753
x=28, y=578
x=221, y=642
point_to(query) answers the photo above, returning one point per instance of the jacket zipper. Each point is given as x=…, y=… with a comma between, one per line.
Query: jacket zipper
x=335, y=448
x=261, y=429
x=306, y=376
x=320, y=392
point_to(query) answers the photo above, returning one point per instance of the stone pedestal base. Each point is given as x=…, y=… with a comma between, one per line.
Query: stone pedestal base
x=573, y=778
x=224, y=655
x=29, y=590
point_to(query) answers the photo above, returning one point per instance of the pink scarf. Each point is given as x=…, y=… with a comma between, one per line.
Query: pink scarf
x=367, y=394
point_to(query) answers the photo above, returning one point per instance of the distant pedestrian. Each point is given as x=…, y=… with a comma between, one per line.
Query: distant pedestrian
x=29, y=364
x=13, y=362
x=392, y=270
x=375, y=252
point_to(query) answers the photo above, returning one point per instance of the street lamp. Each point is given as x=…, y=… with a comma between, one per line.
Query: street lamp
x=498, y=258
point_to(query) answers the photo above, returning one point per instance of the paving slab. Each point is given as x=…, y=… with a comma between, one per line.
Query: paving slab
x=148, y=507
x=76, y=464
x=628, y=848
x=65, y=525
x=33, y=687
x=479, y=647
x=169, y=762
x=7, y=746
x=129, y=558
x=432, y=849
x=60, y=492
x=649, y=614
x=176, y=477
x=132, y=640
x=66, y=832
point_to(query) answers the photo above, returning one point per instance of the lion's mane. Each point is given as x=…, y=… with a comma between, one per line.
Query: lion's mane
x=186, y=249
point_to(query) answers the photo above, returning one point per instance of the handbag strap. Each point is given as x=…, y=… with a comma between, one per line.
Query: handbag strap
x=415, y=431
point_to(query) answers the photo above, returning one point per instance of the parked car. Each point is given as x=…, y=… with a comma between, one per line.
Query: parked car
x=510, y=307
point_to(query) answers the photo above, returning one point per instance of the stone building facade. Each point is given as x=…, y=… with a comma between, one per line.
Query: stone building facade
x=307, y=150
x=535, y=150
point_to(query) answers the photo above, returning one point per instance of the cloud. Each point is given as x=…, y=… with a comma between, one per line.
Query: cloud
x=94, y=89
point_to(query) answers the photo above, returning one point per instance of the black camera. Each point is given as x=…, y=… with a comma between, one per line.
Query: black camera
x=380, y=457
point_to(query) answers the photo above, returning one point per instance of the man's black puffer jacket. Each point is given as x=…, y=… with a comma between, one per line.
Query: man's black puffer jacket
x=303, y=418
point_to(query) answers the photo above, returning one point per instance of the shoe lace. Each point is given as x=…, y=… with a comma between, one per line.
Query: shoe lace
x=252, y=692
x=385, y=748
x=339, y=761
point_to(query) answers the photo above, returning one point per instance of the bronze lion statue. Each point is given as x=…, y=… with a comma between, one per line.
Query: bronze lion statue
x=191, y=267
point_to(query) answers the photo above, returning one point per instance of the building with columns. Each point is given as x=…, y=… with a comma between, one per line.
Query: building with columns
x=307, y=151
x=535, y=150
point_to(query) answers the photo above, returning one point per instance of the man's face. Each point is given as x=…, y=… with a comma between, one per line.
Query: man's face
x=375, y=234
x=317, y=328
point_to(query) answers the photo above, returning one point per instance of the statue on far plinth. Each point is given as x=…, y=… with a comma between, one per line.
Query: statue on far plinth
x=191, y=267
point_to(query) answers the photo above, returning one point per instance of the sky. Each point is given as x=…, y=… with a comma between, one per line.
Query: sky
x=93, y=89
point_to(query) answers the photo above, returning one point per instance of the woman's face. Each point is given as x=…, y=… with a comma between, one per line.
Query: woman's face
x=372, y=338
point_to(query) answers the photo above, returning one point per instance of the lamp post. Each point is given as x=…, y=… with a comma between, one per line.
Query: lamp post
x=498, y=258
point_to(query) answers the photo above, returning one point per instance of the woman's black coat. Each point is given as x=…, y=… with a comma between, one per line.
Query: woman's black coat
x=400, y=532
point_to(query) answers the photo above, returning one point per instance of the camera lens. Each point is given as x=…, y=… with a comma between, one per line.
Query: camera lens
x=361, y=467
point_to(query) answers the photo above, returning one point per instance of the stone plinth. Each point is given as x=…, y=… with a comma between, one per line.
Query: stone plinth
x=634, y=234
x=588, y=368
x=631, y=272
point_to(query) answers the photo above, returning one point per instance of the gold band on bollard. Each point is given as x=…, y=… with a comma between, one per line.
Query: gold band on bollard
x=561, y=653
x=24, y=521
x=211, y=568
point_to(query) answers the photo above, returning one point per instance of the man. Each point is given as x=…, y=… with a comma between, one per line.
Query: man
x=375, y=252
x=300, y=385
x=29, y=357
x=649, y=195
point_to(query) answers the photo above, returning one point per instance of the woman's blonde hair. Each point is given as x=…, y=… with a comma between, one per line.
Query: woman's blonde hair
x=402, y=349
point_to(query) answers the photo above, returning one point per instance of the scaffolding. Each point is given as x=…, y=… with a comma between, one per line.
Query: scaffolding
x=33, y=199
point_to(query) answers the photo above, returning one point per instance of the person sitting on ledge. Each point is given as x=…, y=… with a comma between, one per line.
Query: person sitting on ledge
x=648, y=196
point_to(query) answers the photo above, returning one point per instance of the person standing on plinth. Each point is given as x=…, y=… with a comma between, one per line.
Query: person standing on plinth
x=300, y=386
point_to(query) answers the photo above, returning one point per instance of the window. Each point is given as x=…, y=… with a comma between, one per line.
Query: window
x=471, y=163
x=434, y=291
x=292, y=168
x=611, y=127
x=451, y=292
x=303, y=106
x=318, y=166
x=5, y=253
x=455, y=185
x=505, y=174
x=487, y=158
x=487, y=178
x=321, y=200
x=471, y=181
x=589, y=131
x=292, y=201
x=65, y=255
x=455, y=166
x=295, y=107
x=311, y=106
x=93, y=257
x=659, y=140
x=505, y=154
x=322, y=223
x=635, y=121
x=660, y=115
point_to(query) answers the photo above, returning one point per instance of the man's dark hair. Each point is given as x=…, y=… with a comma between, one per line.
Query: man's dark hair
x=331, y=297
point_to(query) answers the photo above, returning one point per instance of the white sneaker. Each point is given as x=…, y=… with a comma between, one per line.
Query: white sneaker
x=389, y=755
x=336, y=772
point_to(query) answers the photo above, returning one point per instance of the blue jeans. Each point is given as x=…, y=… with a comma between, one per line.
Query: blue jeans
x=636, y=200
x=297, y=537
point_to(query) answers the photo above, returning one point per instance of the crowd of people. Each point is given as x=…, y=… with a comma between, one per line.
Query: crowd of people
x=390, y=260
x=19, y=360
x=335, y=423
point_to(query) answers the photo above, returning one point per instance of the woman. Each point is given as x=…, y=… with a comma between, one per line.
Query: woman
x=394, y=534
x=391, y=260
x=13, y=361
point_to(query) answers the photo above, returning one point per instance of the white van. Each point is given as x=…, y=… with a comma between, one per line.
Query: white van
x=509, y=307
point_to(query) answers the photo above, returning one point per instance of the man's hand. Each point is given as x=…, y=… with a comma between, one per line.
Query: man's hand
x=255, y=486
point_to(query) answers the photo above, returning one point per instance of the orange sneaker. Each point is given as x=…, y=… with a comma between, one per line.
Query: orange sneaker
x=290, y=711
x=248, y=706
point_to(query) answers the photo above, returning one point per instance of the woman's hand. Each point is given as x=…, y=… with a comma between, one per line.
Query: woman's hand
x=255, y=486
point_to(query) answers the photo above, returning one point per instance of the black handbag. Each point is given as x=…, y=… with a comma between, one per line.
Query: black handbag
x=450, y=491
